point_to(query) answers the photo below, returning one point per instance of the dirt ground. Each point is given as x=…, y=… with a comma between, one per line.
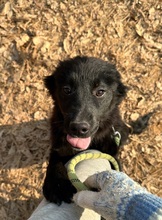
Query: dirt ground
x=34, y=36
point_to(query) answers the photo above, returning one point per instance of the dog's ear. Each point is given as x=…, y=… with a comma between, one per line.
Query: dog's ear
x=116, y=77
x=49, y=82
x=121, y=90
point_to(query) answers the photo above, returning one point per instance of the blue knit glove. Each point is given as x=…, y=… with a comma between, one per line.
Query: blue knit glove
x=117, y=197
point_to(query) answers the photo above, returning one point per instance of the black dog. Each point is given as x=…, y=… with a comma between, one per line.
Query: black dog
x=86, y=92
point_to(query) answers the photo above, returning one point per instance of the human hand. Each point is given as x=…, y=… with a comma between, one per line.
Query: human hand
x=115, y=190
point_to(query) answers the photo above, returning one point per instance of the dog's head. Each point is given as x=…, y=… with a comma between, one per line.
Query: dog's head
x=86, y=90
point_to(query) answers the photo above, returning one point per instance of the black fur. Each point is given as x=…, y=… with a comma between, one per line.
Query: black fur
x=86, y=92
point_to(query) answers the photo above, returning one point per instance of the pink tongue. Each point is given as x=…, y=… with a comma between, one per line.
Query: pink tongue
x=81, y=143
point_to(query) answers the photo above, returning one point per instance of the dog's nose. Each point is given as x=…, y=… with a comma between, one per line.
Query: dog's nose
x=79, y=128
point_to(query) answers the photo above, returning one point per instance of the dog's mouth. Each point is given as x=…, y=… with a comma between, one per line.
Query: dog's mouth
x=79, y=143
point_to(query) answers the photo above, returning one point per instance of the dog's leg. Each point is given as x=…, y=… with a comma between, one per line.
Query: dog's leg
x=57, y=187
x=140, y=124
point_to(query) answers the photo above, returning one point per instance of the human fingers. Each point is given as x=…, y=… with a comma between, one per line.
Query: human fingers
x=86, y=199
x=98, y=180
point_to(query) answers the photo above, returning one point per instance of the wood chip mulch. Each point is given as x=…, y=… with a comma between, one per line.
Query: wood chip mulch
x=34, y=36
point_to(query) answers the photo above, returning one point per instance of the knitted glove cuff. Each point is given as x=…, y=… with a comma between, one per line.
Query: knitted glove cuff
x=142, y=206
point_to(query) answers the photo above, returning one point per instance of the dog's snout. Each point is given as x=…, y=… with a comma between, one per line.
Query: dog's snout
x=79, y=128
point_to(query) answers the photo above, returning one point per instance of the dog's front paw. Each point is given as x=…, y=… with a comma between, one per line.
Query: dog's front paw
x=58, y=190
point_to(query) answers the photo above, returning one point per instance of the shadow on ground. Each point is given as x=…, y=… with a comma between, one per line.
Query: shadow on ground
x=23, y=160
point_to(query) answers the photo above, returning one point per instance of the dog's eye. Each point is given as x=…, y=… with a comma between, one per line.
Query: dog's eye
x=67, y=90
x=100, y=93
